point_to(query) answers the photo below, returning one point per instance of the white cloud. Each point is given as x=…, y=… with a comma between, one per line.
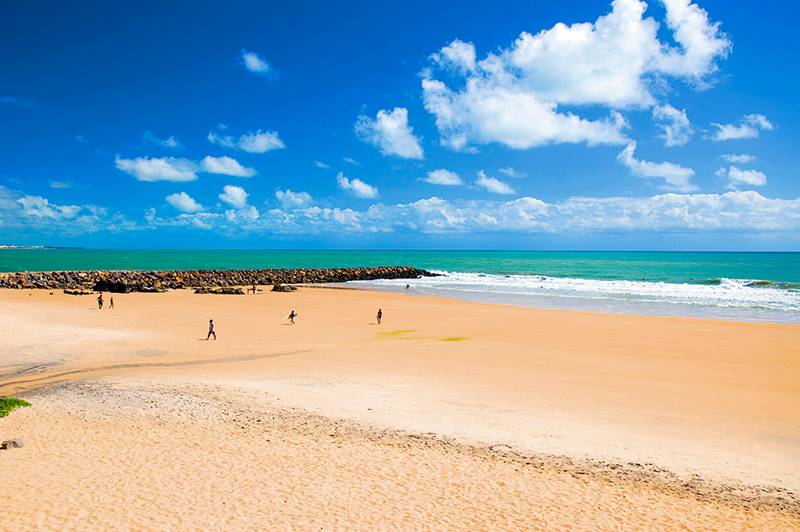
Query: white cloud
x=356, y=187
x=183, y=202
x=741, y=212
x=158, y=169
x=738, y=177
x=234, y=196
x=226, y=166
x=39, y=207
x=169, y=142
x=442, y=177
x=487, y=112
x=493, y=185
x=320, y=164
x=676, y=129
x=511, y=172
x=247, y=214
x=23, y=212
x=458, y=54
x=258, y=142
x=350, y=160
x=742, y=158
x=747, y=127
x=390, y=133
x=253, y=62
x=676, y=178
x=293, y=200
x=513, y=96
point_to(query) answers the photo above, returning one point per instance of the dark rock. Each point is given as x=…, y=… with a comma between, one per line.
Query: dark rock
x=159, y=281
x=76, y=293
x=227, y=290
x=283, y=288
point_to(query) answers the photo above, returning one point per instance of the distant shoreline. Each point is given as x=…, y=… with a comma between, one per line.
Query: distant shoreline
x=8, y=246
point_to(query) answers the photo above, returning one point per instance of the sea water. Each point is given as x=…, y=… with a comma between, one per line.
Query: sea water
x=740, y=286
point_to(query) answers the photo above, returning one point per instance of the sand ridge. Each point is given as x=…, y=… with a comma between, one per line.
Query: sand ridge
x=168, y=455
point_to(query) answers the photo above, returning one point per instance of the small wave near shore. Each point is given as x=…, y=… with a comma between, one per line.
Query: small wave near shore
x=723, y=298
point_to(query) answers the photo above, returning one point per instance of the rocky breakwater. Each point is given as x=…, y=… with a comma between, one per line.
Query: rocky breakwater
x=157, y=281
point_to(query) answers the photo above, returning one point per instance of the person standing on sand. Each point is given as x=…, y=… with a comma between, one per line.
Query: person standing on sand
x=111, y=302
x=292, y=315
x=100, y=302
x=211, y=331
x=378, y=316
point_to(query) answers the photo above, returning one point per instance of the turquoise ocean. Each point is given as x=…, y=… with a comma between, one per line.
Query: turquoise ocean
x=741, y=286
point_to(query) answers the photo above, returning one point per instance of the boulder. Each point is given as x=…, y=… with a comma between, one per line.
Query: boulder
x=283, y=288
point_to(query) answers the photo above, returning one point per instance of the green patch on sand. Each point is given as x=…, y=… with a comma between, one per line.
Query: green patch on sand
x=401, y=334
x=7, y=404
x=453, y=339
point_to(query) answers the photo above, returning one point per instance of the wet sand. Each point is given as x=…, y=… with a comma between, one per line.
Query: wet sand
x=448, y=415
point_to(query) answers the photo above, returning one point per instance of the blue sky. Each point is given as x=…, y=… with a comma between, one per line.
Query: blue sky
x=423, y=125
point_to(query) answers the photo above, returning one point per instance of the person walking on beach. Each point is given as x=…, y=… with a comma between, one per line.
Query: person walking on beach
x=111, y=302
x=100, y=302
x=211, y=331
x=292, y=315
x=378, y=316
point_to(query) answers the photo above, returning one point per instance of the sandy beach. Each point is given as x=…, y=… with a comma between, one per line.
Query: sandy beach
x=449, y=415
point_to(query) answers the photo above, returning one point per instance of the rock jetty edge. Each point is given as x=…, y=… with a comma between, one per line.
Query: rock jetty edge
x=122, y=281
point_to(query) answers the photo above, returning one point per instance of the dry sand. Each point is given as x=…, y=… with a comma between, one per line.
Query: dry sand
x=448, y=415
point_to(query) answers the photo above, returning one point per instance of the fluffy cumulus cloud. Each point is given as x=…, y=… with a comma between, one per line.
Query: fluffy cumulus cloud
x=174, y=169
x=183, y=202
x=740, y=158
x=513, y=96
x=492, y=184
x=738, y=178
x=39, y=207
x=742, y=212
x=258, y=142
x=234, y=196
x=747, y=127
x=254, y=63
x=21, y=212
x=292, y=200
x=226, y=166
x=390, y=133
x=356, y=187
x=676, y=178
x=158, y=168
x=676, y=129
x=745, y=212
x=444, y=177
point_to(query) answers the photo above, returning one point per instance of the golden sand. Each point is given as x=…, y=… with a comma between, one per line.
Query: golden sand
x=447, y=415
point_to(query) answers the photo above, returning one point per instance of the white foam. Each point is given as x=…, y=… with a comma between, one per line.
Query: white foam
x=731, y=298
